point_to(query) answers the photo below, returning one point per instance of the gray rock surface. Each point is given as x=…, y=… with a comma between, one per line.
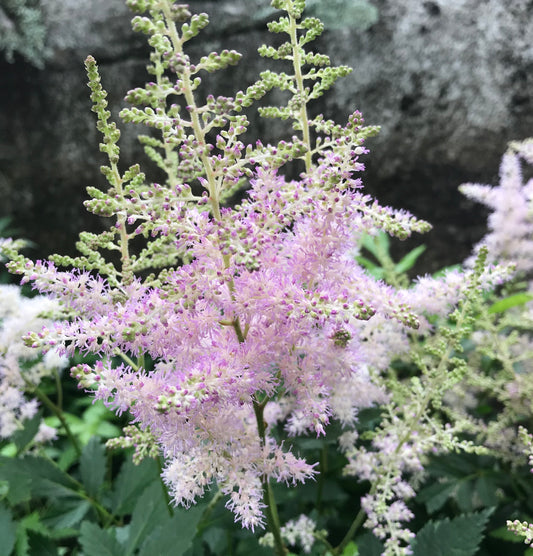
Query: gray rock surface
x=449, y=81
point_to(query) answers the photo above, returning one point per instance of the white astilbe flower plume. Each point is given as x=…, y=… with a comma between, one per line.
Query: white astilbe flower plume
x=20, y=366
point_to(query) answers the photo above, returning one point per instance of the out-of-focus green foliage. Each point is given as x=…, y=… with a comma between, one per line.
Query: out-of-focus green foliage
x=22, y=31
x=359, y=15
x=339, y=14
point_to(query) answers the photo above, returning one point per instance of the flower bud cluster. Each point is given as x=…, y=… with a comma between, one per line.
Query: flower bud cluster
x=143, y=443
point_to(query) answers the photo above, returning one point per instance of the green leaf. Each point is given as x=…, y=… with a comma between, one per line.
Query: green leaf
x=465, y=495
x=28, y=524
x=505, y=535
x=350, y=550
x=98, y=542
x=374, y=269
x=453, y=465
x=130, y=483
x=66, y=513
x=22, y=543
x=376, y=244
x=4, y=489
x=122, y=534
x=24, y=436
x=512, y=301
x=382, y=240
x=51, y=489
x=32, y=522
x=310, y=443
x=93, y=466
x=447, y=269
x=174, y=536
x=367, y=263
x=42, y=468
x=249, y=547
x=215, y=538
x=369, y=545
x=435, y=495
x=41, y=546
x=68, y=457
x=148, y=513
x=7, y=531
x=93, y=422
x=35, y=476
x=486, y=489
x=333, y=493
x=96, y=421
x=407, y=262
x=19, y=489
x=369, y=243
x=457, y=537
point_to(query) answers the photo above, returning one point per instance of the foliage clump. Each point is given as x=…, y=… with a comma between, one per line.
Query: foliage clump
x=22, y=31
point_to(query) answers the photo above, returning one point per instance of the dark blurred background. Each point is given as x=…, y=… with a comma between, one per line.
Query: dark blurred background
x=450, y=82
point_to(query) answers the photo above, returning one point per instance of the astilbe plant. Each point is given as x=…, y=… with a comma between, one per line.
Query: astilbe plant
x=504, y=327
x=21, y=368
x=233, y=323
x=501, y=349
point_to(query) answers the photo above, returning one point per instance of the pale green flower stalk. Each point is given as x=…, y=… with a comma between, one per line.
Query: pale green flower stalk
x=412, y=428
x=523, y=528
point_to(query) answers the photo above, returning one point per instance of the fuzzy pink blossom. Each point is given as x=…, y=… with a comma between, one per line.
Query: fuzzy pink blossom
x=299, y=297
x=270, y=303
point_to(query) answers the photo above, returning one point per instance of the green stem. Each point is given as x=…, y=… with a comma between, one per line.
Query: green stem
x=170, y=159
x=271, y=509
x=199, y=132
x=196, y=124
x=273, y=518
x=323, y=465
x=210, y=507
x=329, y=548
x=127, y=274
x=297, y=65
x=356, y=523
x=105, y=516
x=59, y=390
x=128, y=360
x=56, y=411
